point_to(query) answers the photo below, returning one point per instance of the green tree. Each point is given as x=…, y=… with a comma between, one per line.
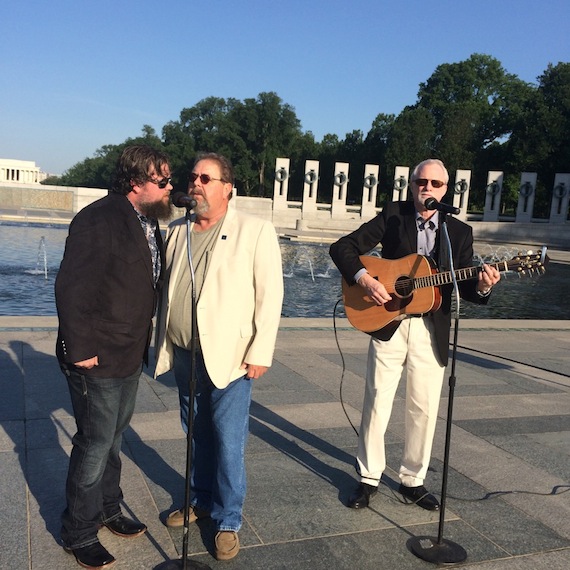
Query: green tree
x=51, y=181
x=474, y=104
x=252, y=133
x=480, y=89
x=202, y=128
x=98, y=171
x=411, y=139
x=539, y=141
x=268, y=128
x=376, y=141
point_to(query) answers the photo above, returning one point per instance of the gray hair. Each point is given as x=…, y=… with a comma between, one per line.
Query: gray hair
x=431, y=161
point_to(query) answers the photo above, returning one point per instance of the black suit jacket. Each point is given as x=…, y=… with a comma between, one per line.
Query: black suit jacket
x=395, y=229
x=104, y=289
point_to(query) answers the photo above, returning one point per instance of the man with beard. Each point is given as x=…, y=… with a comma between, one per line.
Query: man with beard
x=106, y=294
x=238, y=281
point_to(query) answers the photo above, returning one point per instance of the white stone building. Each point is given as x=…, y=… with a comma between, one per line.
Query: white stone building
x=20, y=171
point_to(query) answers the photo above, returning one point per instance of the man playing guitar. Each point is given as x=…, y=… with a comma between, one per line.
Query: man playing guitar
x=416, y=343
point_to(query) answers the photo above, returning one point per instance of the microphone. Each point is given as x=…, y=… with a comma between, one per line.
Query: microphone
x=433, y=204
x=182, y=200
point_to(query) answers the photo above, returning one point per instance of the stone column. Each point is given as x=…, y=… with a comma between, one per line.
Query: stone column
x=340, y=186
x=560, y=199
x=281, y=184
x=527, y=192
x=310, y=185
x=369, y=191
x=400, y=188
x=461, y=191
x=493, y=196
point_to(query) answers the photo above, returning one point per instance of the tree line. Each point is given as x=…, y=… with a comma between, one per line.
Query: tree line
x=472, y=115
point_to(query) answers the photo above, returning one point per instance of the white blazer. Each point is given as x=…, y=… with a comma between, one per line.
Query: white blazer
x=239, y=308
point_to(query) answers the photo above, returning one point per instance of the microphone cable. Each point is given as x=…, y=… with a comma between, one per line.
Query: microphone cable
x=343, y=367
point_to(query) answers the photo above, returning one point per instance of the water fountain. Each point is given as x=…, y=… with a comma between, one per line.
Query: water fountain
x=29, y=260
x=312, y=282
x=41, y=262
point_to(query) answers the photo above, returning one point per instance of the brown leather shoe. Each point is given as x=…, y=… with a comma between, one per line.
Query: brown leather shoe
x=227, y=545
x=176, y=518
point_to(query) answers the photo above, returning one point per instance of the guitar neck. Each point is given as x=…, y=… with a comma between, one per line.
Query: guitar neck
x=446, y=277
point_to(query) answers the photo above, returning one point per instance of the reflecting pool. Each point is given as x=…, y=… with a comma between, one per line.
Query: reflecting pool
x=30, y=257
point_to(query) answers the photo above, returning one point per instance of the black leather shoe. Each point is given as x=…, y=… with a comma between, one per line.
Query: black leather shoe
x=93, y=556
x=421, y=497
x=361, y=496
x=127, y=528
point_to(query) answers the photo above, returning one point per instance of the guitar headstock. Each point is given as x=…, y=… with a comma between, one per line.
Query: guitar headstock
x=528, y=263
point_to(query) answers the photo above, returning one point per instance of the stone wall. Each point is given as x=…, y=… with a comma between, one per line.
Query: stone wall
x=30, y=198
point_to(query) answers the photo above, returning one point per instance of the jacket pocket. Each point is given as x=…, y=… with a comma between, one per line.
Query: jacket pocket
x=113, y=327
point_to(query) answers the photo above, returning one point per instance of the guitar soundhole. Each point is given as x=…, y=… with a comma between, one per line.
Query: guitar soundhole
x=403, y=286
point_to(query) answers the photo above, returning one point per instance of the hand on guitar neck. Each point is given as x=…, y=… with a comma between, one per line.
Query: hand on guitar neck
x=488, y=277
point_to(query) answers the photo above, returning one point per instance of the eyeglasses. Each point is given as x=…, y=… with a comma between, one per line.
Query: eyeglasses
x=162, y=184
x=424, y=182
x=204, y=178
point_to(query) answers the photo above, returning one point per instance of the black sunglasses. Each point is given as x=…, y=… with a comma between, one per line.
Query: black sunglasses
x=424, y=182
x=204, y=178
x=163, y=183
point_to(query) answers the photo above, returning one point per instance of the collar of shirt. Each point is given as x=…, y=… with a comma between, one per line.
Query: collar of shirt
x=429, y=224
x=148, y=224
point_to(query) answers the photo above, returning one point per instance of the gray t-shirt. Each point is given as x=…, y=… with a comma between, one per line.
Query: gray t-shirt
x=202, y=246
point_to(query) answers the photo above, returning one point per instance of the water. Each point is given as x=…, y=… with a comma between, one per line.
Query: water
x=30, y=257
x=41, y=262
x=26, y=282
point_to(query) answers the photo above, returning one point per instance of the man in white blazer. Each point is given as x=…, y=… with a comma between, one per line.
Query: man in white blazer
x=238, y=281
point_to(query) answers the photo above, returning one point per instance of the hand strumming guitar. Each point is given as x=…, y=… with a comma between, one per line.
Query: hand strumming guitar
x=374, y=289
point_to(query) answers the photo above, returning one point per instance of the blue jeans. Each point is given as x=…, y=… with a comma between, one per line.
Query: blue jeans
x=103, y=408
x=219, y=436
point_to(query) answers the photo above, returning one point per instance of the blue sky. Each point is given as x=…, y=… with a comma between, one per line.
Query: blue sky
x=78, y=74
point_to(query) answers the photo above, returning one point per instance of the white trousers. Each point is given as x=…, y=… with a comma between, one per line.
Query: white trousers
x=411, y=348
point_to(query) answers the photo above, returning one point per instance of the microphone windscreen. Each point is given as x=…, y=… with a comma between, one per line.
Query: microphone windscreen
x=430, y=203
x=182, y=200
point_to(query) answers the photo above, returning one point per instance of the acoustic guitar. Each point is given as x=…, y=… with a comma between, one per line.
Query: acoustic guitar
x=414, y=285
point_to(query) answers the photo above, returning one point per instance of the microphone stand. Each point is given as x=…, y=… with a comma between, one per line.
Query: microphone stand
x=183, y=562
x=440, y=550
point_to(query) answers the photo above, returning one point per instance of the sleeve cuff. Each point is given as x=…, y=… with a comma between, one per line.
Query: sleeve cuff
x=360, y=274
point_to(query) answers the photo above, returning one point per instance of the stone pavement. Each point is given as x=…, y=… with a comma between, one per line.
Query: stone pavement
x=508, y=500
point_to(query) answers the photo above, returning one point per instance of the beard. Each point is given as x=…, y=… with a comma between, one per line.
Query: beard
x=202, y=207
x=160, y=210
